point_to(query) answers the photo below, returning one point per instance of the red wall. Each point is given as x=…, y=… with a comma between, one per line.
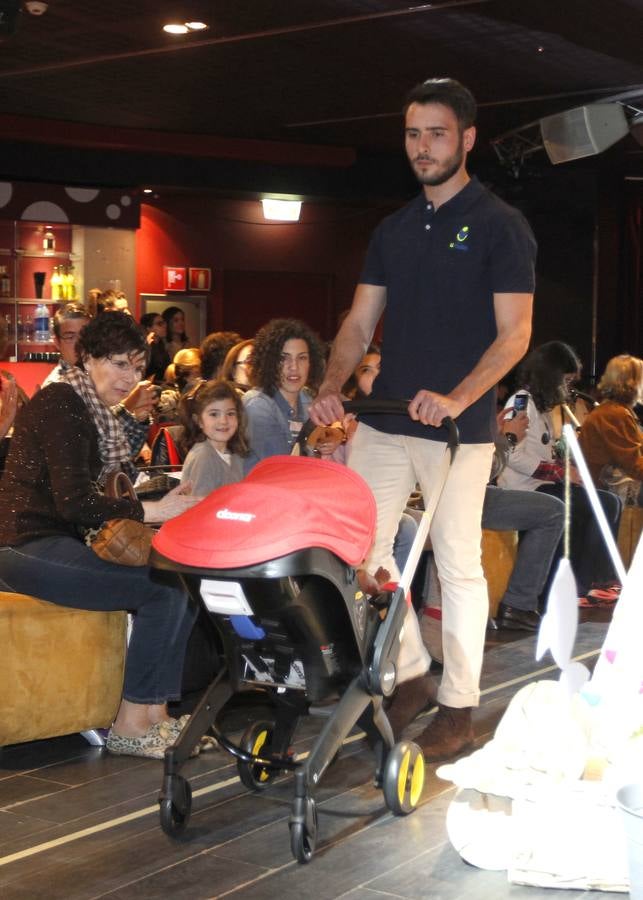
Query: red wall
x=330, y=240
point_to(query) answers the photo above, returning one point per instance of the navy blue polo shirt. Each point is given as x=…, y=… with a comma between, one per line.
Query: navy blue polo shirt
x=441, y=269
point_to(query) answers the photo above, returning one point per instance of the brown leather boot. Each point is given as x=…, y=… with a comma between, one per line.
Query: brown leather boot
x=409, y=700
x=449, y=734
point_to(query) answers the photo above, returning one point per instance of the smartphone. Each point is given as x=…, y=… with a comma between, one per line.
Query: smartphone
x=520, y=405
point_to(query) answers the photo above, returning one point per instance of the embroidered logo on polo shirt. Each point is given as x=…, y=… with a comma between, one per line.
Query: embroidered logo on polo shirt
x=460, y=238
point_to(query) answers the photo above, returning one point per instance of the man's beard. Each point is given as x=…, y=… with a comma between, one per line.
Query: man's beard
x=446, y=171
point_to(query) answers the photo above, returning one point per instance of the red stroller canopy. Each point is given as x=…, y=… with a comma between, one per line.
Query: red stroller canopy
x=285, y=504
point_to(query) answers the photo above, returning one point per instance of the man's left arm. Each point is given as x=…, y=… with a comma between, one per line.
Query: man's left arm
x=513, y=324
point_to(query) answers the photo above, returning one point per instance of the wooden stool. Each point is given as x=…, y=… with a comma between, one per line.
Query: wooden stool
x=61, y=669
x=499, y=550
x=629, y=532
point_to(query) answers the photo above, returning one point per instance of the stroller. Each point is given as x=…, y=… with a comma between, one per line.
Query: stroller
x=274, y=558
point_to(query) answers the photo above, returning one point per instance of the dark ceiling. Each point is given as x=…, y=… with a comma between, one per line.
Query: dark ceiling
x=329, y=73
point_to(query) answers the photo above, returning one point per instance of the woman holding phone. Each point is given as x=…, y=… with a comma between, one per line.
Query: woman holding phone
x=546, y=377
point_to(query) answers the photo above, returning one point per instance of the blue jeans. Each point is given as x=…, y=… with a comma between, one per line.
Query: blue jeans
x=589, y=557
x=539, y=519
x=63, y=570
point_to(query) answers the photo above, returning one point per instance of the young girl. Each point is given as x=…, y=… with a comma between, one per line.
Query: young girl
x=215, y=436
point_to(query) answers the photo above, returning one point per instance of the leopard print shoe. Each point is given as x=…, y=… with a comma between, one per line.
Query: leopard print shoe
x=151, y=745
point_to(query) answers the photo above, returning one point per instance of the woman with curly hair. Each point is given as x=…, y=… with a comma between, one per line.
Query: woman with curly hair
x=546, y=377
x=611, y=437
x=287, y=369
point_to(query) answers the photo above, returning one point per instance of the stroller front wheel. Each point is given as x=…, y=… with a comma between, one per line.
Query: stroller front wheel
x=176, y=805
x=403, y=778
x=303, y=830
x=256, y=740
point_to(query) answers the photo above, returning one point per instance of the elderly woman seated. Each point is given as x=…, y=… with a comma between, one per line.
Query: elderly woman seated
x=611, y=437
x=66, y=441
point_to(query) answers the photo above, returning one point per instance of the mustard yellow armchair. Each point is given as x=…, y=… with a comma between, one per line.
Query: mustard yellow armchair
x=61, y=669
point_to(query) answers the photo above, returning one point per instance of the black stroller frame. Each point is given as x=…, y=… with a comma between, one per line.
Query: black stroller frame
x=299, y=661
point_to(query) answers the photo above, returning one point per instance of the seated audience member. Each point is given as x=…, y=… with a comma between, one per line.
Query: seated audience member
x=287, y=367
x=360, y=384
x=545, y=378
x=176, y=338
x=67, y=441
x=214, y=349
x=93, y=302
x=214, y=436
x=12, y=398
x=187, y=372
x=237, y=366
x=114, y=301
x=611, y=437
x=538, y=519
x=8, y=411
x=68, y=321
x=156, y=330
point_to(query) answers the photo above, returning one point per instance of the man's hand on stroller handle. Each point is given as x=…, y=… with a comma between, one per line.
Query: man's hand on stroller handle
x=430, y=408
x=328, y=407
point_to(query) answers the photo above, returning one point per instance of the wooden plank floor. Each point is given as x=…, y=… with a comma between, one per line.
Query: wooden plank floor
x=78, y=824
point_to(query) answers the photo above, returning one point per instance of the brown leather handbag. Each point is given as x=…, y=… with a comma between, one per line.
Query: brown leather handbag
x=123, y=541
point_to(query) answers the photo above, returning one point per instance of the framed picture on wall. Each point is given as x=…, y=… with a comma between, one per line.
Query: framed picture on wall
x=174, y=278
x=199, y=279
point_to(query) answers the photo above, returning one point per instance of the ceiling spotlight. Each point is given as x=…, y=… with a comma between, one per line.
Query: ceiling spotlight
x=184, y=27
x=147, y=190
x=281, y=210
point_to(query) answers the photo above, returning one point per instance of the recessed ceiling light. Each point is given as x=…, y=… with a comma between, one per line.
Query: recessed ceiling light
x=147, y=190
x=197, y=26
x=176, y=28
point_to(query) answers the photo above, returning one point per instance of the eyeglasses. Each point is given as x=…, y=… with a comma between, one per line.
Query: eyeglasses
x=127, y=368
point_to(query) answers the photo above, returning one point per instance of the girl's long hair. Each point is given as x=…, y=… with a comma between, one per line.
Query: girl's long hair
x=196, y=400
x=543, y=371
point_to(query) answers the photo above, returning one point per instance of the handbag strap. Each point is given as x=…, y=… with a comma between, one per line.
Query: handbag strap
x=117, y=485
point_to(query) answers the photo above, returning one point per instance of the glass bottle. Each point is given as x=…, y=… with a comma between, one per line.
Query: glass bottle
x=56, y=284
x=71, y=283
x=5, y=282
x=48, y=241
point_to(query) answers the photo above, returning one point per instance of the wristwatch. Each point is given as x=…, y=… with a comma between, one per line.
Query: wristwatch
x=511, y=439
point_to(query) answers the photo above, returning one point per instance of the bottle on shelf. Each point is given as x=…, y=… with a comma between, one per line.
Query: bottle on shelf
x=28, y=330
x=56, y=283
x=5, y=282
x=48, y=241
x=9, y=323
x=41, y=324
x=20, y=329
x=70, y=283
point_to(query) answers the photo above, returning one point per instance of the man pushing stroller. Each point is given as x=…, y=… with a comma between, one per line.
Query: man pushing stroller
x=453, y=274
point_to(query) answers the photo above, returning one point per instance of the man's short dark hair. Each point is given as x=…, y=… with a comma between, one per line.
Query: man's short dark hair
x=448, y=92
x=69, y=311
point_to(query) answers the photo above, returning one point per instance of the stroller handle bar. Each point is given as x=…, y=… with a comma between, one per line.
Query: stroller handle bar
x=398, y=407
x=375, y=406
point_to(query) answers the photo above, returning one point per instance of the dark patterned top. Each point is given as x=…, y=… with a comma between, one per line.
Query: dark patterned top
x=47, y=487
